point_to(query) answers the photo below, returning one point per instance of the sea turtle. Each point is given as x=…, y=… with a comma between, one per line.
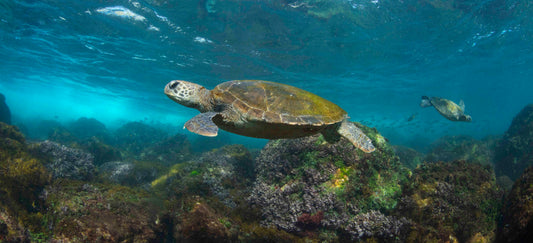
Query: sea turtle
x=447, y=108
x=264, y=109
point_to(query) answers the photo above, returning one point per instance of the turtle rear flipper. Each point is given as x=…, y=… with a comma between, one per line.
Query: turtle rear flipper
x=202, y=124
x=356, y=136
x=425, y=102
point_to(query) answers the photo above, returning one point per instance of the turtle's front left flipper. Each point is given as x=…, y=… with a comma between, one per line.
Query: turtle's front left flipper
x=356, y=136
x=203, y=124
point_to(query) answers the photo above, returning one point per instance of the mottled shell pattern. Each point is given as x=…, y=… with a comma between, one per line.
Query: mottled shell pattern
x=270, y=102
x=446, y=107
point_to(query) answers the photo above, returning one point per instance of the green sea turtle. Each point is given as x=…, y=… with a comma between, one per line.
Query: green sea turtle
x=447, y=108
x=264, y=109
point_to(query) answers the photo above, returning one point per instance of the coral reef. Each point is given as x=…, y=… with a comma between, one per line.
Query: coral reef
x=455, y=200
x=65, y=162
x=5, y=113
x=452, y=148
x=514, y=152
x=298, y=178
x=517, y=214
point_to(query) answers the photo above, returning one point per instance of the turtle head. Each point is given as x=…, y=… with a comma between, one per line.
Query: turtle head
x=466, y=118
x=189, y=94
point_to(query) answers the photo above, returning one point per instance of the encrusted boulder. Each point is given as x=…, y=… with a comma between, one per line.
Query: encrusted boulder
x=514, y=153
x=517, y=220
x=85, y=128
x=22, y=179
x=135, y=173
x=84, y=212
x=169, y=151
x=65, y=162
x=223, y=173
x=202, y=224
x=298, y=179
x=451, y=200
x=5, y=114
x=452, y=148
x=134, y=137
x=408, y=156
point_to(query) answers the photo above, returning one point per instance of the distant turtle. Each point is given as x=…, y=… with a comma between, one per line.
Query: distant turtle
x=264, y=109
x=447, y=108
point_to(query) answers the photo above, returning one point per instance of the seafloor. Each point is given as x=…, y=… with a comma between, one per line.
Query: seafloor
x=137, y=184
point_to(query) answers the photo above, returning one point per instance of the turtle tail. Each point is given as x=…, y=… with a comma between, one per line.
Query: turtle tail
x=425, y=102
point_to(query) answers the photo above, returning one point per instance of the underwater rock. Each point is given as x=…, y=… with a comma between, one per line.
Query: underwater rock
x=137, y=173
x=65, y=162
x=10, y=228
x=101, y=151
x=12, y=142
x=169, y=151
x=22, y=179
x=134, y=137
x=81, y=212
x=45, y=129
x=514, y=152
x=408, y=156
x=223, y=173
x=452, y=148
x=451, y=200
x=85, y=128
x=5, y=114
x=375, y=224
x=63, y=136
x=517, y=214
x=202, y=224
x=306, y=176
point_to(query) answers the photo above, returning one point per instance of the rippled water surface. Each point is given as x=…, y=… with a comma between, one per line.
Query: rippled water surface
x=375, y=58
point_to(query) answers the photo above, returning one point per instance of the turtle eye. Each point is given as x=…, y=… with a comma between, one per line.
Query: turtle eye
x=174, y=85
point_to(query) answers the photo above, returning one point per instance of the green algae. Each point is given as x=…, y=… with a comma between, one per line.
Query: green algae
x=458, y=200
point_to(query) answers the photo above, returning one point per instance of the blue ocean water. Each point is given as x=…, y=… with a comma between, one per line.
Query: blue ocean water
x=110, y=60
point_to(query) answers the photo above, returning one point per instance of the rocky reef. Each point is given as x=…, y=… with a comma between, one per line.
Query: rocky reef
x=65, y=162
x=5, y=113
x=452, y=148
x=310, y=187
x=514, y=152
x=22, y=179
x=455, y=200
x=408, y=156
x=517, y=217
x=153, y=187
x=86, y=212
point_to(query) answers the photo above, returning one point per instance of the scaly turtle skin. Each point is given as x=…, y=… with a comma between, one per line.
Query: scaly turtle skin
x=447, y=108
x=264, y=109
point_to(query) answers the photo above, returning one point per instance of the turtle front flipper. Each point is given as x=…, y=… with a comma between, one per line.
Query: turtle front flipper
x=203, y=124
x=356, y=136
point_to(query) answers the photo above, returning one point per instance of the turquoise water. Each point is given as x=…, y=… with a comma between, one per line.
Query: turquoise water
x=110, y=60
